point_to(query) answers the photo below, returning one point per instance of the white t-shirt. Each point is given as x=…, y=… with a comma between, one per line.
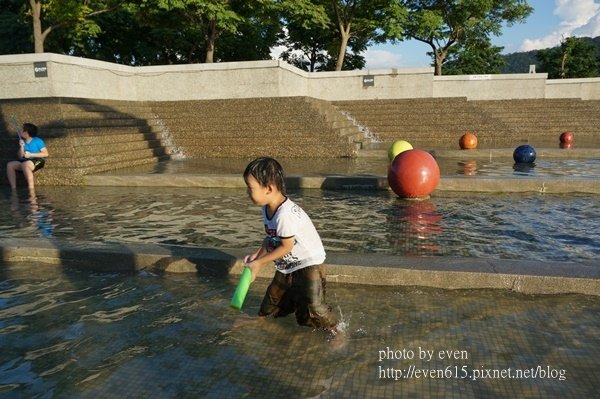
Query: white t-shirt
x=290, y=220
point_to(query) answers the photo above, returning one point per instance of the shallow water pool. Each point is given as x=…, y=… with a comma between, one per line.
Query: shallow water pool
x=69, y=334
x=515, y=226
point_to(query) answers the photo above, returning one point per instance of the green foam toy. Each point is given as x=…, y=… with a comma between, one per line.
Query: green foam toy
x=242, y=289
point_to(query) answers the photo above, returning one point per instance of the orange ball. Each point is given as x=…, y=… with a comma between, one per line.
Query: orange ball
x=413, y=174
x=468, y=141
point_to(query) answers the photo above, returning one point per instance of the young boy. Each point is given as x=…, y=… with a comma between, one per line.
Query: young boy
x=32, y=153
x=293, y=244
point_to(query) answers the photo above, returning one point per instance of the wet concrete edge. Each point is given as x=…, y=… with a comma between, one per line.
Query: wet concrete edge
x=525, y=276
x=547, y=185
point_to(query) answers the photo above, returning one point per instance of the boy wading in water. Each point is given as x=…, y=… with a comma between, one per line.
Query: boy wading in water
x=294, y=245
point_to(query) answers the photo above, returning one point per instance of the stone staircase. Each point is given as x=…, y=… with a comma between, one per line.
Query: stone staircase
x=439, y=122
x=292, y=127
x=83, y=136
x=547, y=118
x=93, y=136
x=430, y=122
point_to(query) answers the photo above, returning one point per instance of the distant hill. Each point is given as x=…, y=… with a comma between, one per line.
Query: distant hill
x=519, y=62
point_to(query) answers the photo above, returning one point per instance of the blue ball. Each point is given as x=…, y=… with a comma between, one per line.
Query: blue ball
x=524, y=154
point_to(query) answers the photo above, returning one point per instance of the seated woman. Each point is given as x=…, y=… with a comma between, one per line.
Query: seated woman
x=32, y=153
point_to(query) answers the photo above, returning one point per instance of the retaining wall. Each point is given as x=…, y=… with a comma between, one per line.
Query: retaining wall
x=84, y=78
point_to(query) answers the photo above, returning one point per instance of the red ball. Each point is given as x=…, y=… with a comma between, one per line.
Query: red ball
x=566, y=137
x=413, y=174
x=468, y=141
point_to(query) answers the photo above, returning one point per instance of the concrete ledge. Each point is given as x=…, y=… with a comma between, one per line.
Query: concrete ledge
x=523, y=184
x=541, y=153
x=486, y=154
x=550, y=185
x=531, y=277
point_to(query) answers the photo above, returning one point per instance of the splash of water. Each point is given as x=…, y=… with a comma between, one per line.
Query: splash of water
x=167, y=140
x=343, y=323
x=372, y=137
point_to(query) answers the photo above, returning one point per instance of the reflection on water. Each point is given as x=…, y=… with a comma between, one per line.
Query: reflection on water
x=32, y=210
x=522, y=168
x=86, y=335
x=467, y=168
x=587, y=168
x=538, y=226
x=581, y=168
x=418, y=220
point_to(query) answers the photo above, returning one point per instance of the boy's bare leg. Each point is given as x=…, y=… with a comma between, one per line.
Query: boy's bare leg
x=11, y=173
x=27, y=169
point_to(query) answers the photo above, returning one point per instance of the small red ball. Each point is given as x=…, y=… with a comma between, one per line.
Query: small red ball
x=468, y=141
x=413, y=174
x=566, y=137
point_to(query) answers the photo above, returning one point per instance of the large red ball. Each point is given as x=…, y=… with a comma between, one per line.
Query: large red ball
x=413, y=174
x=566, y=137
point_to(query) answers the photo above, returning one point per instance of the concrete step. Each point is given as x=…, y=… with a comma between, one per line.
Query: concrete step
x=107, y=149
x=289, y=151
x=116, y=159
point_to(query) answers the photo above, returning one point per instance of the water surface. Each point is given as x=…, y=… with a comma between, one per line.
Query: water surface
x=512, y=226
x=69, y=334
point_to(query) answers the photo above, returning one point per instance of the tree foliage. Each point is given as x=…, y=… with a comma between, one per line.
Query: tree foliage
x=476, y=56
x=15, y=28
x=74, y=16
x=332, y=34
x=574, y=58
x=443, y=24
x=314, y=34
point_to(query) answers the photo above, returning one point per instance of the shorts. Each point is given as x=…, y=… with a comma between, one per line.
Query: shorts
x=38, y=163
x=301, y=292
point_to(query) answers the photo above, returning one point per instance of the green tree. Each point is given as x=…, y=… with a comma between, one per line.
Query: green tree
x=15, y=28
x=443, y=24
x=474, y=57
x=368, y=21
x=212, y=18
x=179, y=32
x=49, y=15
x=332, y=34
x=574, y=58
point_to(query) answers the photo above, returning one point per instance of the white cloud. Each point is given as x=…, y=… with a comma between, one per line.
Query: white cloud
x=379, y=59
x=591, y=28
x=579, y=18
x=276, y=51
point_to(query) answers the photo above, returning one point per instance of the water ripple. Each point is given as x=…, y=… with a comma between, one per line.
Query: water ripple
x=111, y=316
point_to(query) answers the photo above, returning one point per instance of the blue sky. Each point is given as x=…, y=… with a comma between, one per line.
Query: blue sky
x=549, y=22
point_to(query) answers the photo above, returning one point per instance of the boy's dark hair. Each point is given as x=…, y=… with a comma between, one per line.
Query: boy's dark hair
x=31, y=129
x=266, y=171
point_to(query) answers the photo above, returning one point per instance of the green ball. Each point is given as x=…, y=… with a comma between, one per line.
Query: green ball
x=397, y=147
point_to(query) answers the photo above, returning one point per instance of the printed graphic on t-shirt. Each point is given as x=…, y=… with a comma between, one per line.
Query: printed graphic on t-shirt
x=290, y=220
x=286, y=262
